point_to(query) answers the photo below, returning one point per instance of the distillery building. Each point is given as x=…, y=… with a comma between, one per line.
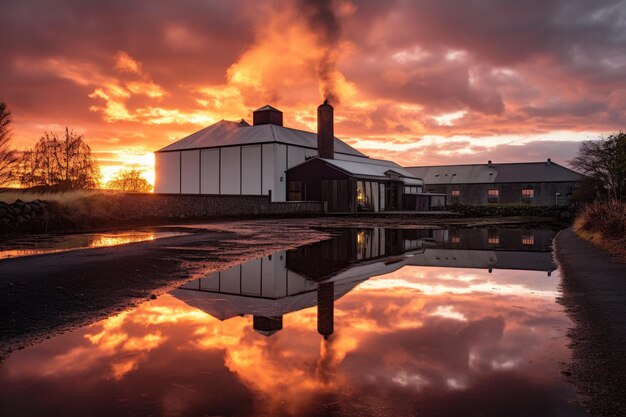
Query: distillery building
x=543, y=183
x=284, y=164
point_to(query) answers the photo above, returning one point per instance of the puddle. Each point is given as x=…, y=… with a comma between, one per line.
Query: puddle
x=42, y=244
x=374, y=322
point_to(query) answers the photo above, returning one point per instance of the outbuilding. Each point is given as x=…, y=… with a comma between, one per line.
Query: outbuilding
x=537, y=183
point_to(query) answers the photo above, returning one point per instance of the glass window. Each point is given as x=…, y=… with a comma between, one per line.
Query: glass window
x=493, y=196
x=456, y=196
x=528, y=238
x=527, y=195
x=493, y=237
x=360, y=194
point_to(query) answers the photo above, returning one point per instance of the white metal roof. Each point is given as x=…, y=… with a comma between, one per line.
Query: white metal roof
x=495, y=173
x=225, y=133
x=373, y=168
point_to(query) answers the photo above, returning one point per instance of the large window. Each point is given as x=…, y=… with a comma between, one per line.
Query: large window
x=493, y=196
x=412, y=189
x=365, y=195
x=527, y=195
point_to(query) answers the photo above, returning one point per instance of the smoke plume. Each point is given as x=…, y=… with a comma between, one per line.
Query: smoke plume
x=323, y=21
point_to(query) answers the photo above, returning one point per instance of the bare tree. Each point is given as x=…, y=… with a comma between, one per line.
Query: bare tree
x=8, y=157
x=605, y=161
x=65, y=163
x=130, y=180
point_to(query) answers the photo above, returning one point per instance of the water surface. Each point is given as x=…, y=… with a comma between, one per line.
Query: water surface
x=374, y=322
x=41, y=244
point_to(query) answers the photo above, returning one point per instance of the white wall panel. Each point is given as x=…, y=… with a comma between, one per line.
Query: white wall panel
x=167, y=172
x=309, y=153
x=190, y=171
x=251, y=277
x=210, y=171
x=280, y=192
x=251, y=173
x=269, y=182
x=230, y=174
x=211, y=283
x=230, y=280
x=296, y=156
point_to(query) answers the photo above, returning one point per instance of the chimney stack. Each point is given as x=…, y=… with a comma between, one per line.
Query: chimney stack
x=489, y=163
x=325, y=131
x=549, y=161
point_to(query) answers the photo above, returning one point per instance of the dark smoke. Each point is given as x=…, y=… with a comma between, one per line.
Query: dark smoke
x=323, y=22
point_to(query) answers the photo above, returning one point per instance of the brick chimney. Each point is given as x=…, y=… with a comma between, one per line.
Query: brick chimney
x=325, y=131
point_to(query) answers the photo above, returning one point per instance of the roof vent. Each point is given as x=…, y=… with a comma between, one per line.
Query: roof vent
x=267, y=115
x=489, y=163
x=549, y=161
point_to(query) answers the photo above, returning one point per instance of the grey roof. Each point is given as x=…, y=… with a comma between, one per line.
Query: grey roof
x=267, y=107
x=495, y=173
x=372, y=168
x=225, y=133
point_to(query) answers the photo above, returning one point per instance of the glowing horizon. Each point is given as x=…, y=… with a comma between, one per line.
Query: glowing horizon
x=418, y=83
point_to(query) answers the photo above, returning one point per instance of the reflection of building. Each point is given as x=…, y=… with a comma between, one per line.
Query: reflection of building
x=537, y=183
x=318, y=274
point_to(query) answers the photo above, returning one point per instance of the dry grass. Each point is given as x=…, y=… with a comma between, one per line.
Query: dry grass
x=63, y=198
x=604, y=225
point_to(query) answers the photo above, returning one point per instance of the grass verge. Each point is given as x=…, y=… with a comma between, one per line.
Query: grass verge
x=603, y=223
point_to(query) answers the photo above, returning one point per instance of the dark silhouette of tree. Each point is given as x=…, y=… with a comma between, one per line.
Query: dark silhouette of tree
x=8, y=156
x=604, y=160
x=130, y=180
x=60, y=163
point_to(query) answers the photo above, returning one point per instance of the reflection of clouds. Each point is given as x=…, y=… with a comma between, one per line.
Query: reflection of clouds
x=438, y=281
x=392, y=341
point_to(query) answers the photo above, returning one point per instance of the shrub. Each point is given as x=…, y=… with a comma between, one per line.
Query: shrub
x=603, y=223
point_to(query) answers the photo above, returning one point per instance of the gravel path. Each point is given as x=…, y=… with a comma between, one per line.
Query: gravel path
x=594, y=294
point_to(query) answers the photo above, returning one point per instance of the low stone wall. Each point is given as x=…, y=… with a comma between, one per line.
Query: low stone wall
x=501, y=210
x=125, y=209
x=190, y=206
x=20, y=214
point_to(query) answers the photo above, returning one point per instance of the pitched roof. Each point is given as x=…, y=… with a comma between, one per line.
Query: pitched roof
x=495, y=173
x=370, y=168
x=225, y=133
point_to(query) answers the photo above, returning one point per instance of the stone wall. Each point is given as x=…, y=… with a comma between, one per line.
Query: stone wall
x=133, y=209
x=193, y=206
x=503, y=210
x=20, y=214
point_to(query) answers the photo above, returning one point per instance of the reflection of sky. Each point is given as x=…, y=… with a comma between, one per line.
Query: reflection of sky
x=62, y=243
x=402, y=345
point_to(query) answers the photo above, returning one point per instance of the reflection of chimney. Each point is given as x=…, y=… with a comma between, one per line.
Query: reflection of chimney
x=267, y=326
x=325, y=131
x=326, y=309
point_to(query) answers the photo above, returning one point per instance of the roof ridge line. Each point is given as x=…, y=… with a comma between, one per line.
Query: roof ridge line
x=273, y=132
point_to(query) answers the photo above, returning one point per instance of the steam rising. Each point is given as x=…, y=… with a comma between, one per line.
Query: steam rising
x=324, y=23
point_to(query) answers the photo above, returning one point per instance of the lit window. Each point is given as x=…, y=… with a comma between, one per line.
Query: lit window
x=527, y=195
x=493, y=237
x=493, y=196
x=456, y=196
x=528, y=238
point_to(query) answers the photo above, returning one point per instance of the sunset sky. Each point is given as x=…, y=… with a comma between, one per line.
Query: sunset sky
x=419, y=82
